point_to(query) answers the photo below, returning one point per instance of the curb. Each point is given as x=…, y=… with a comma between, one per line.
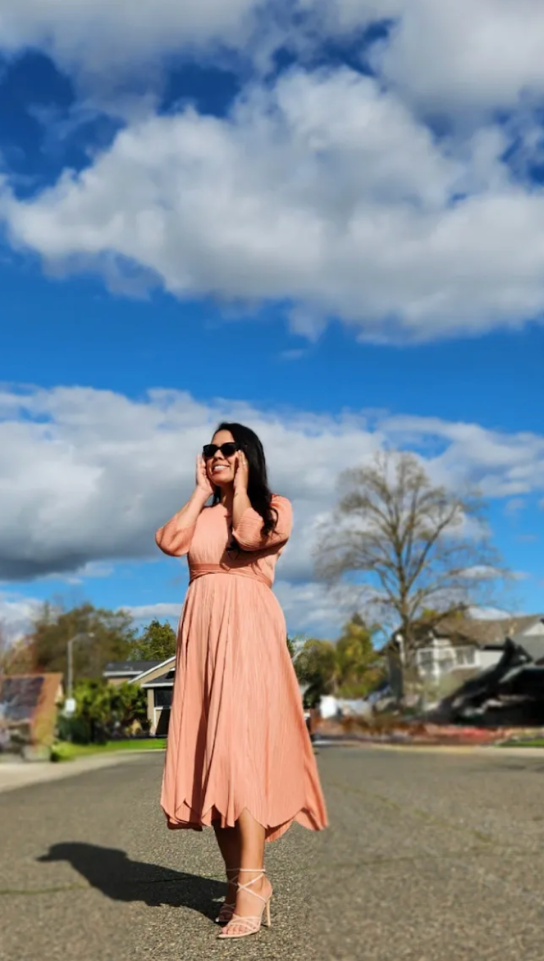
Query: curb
x=25, y=775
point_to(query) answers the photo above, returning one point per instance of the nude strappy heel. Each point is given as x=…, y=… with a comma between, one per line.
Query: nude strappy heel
x=227, y=910
x=251, y=924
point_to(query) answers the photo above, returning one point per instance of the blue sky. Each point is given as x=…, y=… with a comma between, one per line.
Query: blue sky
x=293, y=225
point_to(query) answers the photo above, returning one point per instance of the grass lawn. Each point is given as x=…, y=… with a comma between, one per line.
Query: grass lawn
x=68, y=752
x=534, y=742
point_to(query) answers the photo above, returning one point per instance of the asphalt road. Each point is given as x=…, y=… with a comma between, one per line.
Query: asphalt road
x=429, y=857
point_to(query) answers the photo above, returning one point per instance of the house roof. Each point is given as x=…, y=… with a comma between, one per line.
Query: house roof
x=130, y=667
x=162, y=680
x=483, y=632
x=156, y=670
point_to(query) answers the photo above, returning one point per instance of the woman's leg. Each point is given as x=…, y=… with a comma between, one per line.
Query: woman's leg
x=229, y=845
x=251, y=851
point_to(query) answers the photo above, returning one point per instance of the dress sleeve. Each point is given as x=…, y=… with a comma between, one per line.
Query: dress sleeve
x=177, y=544
x=248, y=532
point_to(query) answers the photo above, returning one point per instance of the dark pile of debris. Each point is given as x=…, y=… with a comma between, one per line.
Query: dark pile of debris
x=509, y=694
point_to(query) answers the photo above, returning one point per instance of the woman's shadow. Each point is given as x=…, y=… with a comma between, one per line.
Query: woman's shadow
x=113, y=873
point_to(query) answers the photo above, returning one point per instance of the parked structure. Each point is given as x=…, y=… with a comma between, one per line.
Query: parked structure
x=28, y=710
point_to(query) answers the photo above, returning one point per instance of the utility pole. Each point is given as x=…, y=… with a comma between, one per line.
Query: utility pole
x=70, y=704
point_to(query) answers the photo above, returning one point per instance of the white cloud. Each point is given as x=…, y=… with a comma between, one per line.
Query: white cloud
x=490, y=613
x=502, y=465
x=449, y=56
x=110, y=38
x=442, y=55
x=92, y=474
x=16, y=614
x=150, y=612
x=480, y=573
x=98, y=494
x=311, y=609
x=112, y=470
x=467, y=54
x=103, y=37
x=323, y=191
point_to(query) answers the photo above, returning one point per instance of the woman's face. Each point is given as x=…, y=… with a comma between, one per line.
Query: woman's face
x=220, y=469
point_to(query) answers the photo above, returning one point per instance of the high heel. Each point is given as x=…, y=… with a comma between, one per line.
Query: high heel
x=248, y=925
x=227, y=909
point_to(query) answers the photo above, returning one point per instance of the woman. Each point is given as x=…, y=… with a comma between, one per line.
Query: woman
x=239, y=757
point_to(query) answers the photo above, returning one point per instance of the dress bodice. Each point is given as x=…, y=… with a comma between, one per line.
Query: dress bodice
x=210, y=548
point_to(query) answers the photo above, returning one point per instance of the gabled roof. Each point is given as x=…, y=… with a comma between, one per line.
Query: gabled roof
x=129, y=667
x=483, y=632
x=154, y=679
x=160, y=667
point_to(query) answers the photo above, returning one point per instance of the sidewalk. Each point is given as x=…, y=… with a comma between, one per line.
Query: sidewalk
x=477, y=750
x=18, y=774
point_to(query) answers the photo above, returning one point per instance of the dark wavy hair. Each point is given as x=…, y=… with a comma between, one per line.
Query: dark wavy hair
x=258, y=490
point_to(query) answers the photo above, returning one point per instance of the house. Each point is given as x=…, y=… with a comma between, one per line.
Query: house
x=460, y=645
x=117, y=672
x=157, y=680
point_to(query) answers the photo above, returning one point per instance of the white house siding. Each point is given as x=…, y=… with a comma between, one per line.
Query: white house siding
x=490, y=658
x=441, y=658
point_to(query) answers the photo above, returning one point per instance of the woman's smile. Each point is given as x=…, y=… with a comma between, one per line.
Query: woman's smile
x=220, y=468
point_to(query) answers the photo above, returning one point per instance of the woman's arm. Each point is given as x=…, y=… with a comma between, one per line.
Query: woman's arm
x=247, y=526
x=175, y=537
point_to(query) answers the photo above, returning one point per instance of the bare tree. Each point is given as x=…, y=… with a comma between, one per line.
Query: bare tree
x=412, y=549
x=16, y=657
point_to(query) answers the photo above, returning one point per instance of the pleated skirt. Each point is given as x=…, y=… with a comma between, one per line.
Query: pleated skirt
x=237, y=738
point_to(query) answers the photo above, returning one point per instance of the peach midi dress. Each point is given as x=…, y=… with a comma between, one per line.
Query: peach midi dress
x=237, y=738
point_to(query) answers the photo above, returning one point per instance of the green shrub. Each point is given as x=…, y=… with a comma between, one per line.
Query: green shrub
x=75, y=729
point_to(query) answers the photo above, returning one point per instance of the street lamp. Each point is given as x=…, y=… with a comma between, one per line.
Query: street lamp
x=70, y=704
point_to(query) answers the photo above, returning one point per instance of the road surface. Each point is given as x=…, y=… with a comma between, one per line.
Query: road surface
x=429, y=857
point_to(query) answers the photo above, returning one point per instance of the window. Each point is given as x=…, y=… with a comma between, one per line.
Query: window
x=447, y=662
x=425, y=660
x=465, y=656
x=163, y=696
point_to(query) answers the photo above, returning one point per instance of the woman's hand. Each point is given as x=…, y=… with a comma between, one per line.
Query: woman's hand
x=241, y=473
x=203, y=482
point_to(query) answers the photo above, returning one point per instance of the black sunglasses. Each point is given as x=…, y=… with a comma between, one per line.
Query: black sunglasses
x=228, y=450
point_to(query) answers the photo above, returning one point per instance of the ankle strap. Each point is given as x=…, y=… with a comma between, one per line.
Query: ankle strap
x=248, y=885
x=255, y=870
